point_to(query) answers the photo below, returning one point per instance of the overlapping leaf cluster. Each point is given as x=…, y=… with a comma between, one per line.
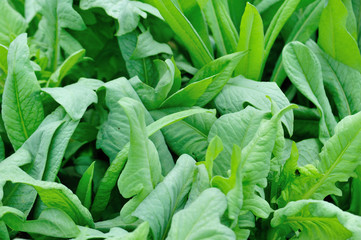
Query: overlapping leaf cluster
x=180, y=119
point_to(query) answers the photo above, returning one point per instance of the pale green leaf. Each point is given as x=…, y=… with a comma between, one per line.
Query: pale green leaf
x=22, y=110
x=201, y=219
x=167, y=198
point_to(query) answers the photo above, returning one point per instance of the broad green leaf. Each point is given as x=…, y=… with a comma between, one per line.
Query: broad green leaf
x=339, y=158
x=127, y=12
x=52, y=222
x=302, y=31
x=57, y=15
x=12, y=23
x=234, y=128
x=64, y=68
x=147, y=46
x=341, y=81
x=38, y=146
x=114, y=132
x=109, y=180
x=221, y=25
x=188, y=136
x=251, y=39
x=142, y=171
x=189, y=95
x=22, y=110
x=143, y=68
x=84, y=189
x=201, y=219
x=221, y=70
x=280, y=18
x=304, y=71
x=255, y=164
x=167, y=198
x=74, y=98
x=333, y=35
x=316, y=219
x=193, y=13
x=184, y=30
x=240, y=92
x=54, y=195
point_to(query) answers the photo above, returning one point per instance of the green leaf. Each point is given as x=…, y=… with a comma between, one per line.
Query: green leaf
x=167, y=198
x=251, y=39
x=114, y=132
x=74, y=98
x=22, y=110
x=316, y=219
x=240, y=92
x=221, y=70
x=84, y=190
x=215, y=147
x=201, y=219
x=57, y=15
x=255, y=164
x=127, y=12
x=221, y=25
x=142, y=171
x=341, y=81
x=189, y=95
x=4, y=231
x=38, y=146
x=147, y=46
x=12, y=23
x=110, y=177
x=232, y=186
x=143, y=68
x=308, y=151
x=193, y=13
x=52, y=222
x=302, y=31
x=151, y=97
x=188, y=136
x=333, y=35
x=278, y=21
x=54, y=195
x=64, y=68
x=304, y=71
x=339, y=158
x=184, y=30
x=244, y=125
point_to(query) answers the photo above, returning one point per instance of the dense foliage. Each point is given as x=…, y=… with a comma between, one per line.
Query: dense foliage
x=180, y=119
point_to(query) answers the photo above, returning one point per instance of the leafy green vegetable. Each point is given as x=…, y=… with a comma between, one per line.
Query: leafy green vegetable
x=334, y=35
x=202, y=218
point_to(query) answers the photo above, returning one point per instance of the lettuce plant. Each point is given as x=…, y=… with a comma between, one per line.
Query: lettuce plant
x=180, y=119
